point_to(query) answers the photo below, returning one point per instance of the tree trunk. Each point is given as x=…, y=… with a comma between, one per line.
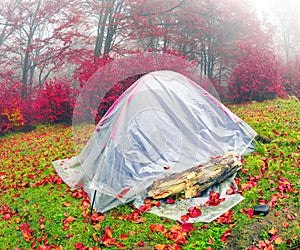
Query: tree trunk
x=193, y=181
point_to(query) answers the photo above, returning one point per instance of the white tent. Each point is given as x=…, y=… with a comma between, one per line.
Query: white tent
x=163, y=119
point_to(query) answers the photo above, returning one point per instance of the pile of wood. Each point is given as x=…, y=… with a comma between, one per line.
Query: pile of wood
x=193, y=181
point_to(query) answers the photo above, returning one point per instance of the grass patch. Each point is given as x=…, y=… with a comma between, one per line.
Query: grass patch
x=38, y=210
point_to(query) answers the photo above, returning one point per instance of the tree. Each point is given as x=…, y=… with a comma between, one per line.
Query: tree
x=284, y=18
x=41, y=36
x=206, y=32
x=105, y=20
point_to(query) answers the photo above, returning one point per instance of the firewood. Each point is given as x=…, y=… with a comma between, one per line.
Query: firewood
x=193, y=181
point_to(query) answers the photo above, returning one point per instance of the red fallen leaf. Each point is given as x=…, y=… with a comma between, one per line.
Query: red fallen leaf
x=27, y=236
x=42, y=219
x=262, y=244
x=250, y=213
x=177, y=234
x=145, y=208
x=97, y=226
x=273, y=201
x=42, y=247
x=46, y=241
x=42, y=227
x=141, y=244
x=216, y=157
x=167, y=167
x=119, y=245
x=123, y=236
x=97, y=217
x=67, y=204
x=6, y=217
x=274, y=237
x=231, y=190
x=225, y=218
x=123, y=192
x=78, y=245
x=157, y=228
x=85, y=203
x=68, y=236
x=69, y=219
x=147, y=201
x=107, y=238
x=290, y=217
x=227, y=233
x=156, y=203
x=17, y=220
x=187, y=227
x=140, y=220
x=214, y=199
x=170, y=201
x=210, y=241
x=78, y=194
x=285, y=224
x=161, y=247
x=108, y=232
x=184, y=217
x=194, y=212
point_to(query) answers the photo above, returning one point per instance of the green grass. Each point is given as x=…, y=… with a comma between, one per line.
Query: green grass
x=38, y=210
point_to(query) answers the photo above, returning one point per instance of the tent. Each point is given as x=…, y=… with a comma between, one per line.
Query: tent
x=163, y=119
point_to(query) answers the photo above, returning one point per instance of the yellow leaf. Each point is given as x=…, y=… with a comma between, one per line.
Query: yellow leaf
x=273, y=231
x=278, y=240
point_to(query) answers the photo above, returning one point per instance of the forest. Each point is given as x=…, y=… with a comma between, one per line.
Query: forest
x=49, y=50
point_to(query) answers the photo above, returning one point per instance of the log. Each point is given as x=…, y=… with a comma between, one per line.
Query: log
x=195, y=180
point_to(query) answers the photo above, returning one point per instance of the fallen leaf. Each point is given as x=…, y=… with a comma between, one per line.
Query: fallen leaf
x=123, y=236
x=285, y=224
x=157, y=228
x=170, y=201
x=141, y=244
x=278, y=240
x=290, y=217
x=273, y=231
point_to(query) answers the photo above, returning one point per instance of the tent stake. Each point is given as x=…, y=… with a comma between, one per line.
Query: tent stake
x=94, y=196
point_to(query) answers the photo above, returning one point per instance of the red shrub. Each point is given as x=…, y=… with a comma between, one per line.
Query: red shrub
x=256, y=77
x=54, y=102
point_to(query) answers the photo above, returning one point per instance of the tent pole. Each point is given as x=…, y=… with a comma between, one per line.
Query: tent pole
x=94, y=196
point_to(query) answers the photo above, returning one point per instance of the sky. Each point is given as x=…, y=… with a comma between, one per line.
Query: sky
x=263, y=7
x=263, y=4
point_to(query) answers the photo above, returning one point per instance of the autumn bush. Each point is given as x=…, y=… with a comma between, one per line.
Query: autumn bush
x=10, y=106
x=52, y=103
x=255, y=77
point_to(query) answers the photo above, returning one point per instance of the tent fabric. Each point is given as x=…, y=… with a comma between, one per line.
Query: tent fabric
x=163, y=124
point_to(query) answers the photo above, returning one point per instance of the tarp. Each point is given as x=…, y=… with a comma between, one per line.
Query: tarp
x=163, y=119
